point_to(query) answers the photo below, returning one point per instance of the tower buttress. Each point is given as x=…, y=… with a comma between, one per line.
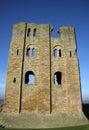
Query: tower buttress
x=14, y=73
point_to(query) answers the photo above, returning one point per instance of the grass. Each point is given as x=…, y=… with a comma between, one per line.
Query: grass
x=82, y=127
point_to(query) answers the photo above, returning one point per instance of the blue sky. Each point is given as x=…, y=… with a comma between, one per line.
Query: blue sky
x=55, y=12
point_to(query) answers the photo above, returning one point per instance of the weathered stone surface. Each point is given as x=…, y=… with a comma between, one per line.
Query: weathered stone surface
x=34, y=120
x=44, y=96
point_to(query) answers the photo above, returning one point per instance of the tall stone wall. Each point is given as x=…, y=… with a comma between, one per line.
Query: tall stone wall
x=14, y=72
x=33, y=52
x=66, y=97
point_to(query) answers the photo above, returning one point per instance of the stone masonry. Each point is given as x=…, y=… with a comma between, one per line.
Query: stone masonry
x=43, y=72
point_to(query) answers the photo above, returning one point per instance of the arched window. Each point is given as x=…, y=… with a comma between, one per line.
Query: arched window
x=28, y=33
x=34, y=32
x=28, y=52
x=33, y=51
x=55, y=53
x=59, y=52
x=57, y=78
x=29, y=77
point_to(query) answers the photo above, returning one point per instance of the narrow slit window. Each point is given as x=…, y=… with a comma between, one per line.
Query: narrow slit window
x=57, y=78
x=28, y=52
x=14, y=80
x=17, y=51
x=34, y=32
x=70, y=54
x=59, y=52
x=28, y=33
x=33, y=52
x=29, y=78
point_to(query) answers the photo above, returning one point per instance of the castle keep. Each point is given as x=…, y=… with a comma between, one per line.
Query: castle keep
x=43, y=71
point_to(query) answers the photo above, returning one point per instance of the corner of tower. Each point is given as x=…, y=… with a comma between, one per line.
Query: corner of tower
x=67, y=33
x=19, y=30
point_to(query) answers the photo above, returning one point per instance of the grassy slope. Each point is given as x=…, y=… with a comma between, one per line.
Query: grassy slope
x=82, y=127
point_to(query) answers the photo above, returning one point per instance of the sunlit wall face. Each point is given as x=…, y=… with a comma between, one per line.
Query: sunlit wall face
x=74, y=13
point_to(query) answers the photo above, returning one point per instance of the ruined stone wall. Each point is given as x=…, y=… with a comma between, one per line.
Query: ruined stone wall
x=67, y=96
x=44, y=95
x=37, y=97
x=14, y=72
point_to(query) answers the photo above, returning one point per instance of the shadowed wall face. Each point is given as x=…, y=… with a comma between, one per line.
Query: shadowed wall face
x=43, y=72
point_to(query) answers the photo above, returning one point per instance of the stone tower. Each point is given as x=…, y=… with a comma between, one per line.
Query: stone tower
x=43, y=72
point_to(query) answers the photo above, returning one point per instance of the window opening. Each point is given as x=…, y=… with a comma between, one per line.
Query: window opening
x=70, y=54
x=59, y=52
x=33, y=51
x=14, y=80
x=55, y=53
x=29, y=77
x=17, y=51
x=28, y=33
x=34, y=33
x=28, y=52
x=57, y=78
